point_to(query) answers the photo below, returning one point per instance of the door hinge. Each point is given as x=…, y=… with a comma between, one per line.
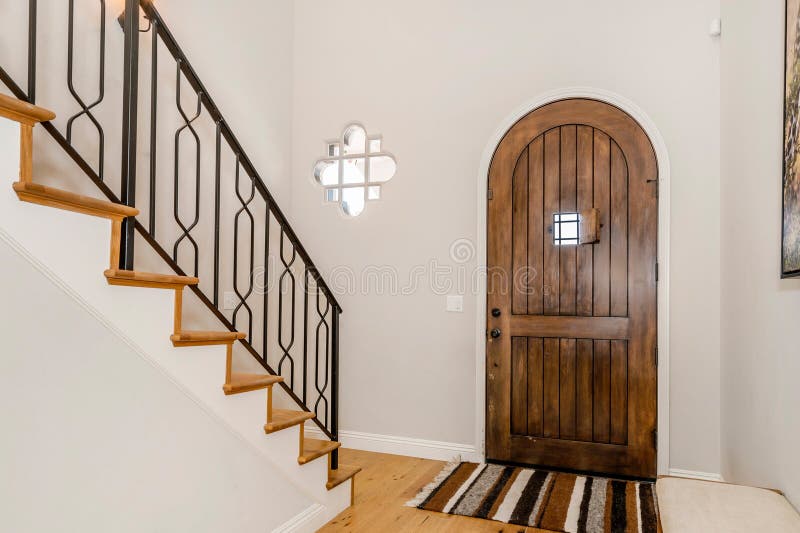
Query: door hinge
x=656, y=356
x=656, y=272
x=489, y=194
x=655, y=438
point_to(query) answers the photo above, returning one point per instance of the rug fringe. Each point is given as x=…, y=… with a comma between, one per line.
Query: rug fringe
x=426, y=491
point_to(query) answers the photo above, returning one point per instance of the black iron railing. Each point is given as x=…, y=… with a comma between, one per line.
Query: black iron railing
x=236, y=230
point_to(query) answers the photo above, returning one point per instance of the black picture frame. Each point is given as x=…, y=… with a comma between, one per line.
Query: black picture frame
x=790, y=183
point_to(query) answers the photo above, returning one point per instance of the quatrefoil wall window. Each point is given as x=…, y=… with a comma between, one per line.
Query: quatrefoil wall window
x=354, y=170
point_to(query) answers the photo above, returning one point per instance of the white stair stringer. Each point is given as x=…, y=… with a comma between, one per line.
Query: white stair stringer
x=74, y=248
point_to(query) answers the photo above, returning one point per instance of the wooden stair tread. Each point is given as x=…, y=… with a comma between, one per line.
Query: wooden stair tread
x=340, y=475
x=315, y=448
x=242, y=382
x=209, y=335
x=20, y=111
x=148, y=279
x=199, y=338
x=284, y=418
x=52, y=197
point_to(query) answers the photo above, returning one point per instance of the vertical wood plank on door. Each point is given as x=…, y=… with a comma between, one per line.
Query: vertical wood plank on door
x=619, y=233
x=567, y=386
x=519, y=235
x=619, y=392
x=569, y=204
x=584, y=386
x=551, y=382
x=602, y=201
x=536, y=225
x=519, y=385
x=602, y=390
x=552, y=194
x=535, y=386
x=585, y=178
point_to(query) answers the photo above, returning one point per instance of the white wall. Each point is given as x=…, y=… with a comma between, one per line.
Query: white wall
x=760, y=355
x=241, y=49
x=96, y=438
x=436, y=79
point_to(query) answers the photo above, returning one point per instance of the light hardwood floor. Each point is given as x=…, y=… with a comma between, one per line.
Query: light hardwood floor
x=383, y=487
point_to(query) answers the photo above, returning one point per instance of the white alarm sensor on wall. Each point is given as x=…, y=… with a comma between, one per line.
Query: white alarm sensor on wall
x=715, y=28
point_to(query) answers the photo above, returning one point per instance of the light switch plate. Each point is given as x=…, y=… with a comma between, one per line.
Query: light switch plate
x=455, y=304
x=229, y=300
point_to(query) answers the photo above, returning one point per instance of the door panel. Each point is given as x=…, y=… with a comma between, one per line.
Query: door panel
x=601, y=279
x=568, y=202
x=535, y=386
x=566, y=389
x=519, y=300
x=550, y=376
x=602, y=391
x=584, y=383
x=585, y=186
x=570, y=280
x=618, y=275
x=580, y=382
x=571, y=379
x=535, y=226
x=619, y=392
x=519, y=385
x=552, y=201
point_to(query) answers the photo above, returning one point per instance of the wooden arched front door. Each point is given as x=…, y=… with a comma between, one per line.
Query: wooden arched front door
x=571, y=318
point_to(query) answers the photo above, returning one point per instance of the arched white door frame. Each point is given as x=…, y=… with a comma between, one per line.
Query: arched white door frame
x=662, y=158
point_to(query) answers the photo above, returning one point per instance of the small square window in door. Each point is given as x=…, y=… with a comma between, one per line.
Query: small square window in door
x=565, y=229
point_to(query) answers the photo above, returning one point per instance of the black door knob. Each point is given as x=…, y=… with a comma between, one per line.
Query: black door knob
x=495, y=312
x=495, y=333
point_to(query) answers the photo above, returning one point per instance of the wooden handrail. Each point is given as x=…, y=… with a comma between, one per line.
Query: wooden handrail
x=28, y=115
x=23, y=112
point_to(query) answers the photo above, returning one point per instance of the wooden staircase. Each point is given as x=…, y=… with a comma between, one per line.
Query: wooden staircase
x=28, y=116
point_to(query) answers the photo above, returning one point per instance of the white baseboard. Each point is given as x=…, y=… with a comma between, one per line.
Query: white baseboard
x=425, y=449
x=446, y=451
x=308, y=520
x=691, y=474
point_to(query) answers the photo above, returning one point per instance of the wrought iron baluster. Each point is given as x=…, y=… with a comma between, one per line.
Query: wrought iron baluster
x=217, y=173
x=187, y=125
x=305, y=332
x=322, y=325
x=243, y=297
x=287, y=274
x=153, y=124
x=32, y=16
x=130, y=114
x=265, y=288
x=334, y=428
x=87, y=109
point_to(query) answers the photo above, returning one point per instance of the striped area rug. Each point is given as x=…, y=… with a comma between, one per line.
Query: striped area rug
x=542, y=499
